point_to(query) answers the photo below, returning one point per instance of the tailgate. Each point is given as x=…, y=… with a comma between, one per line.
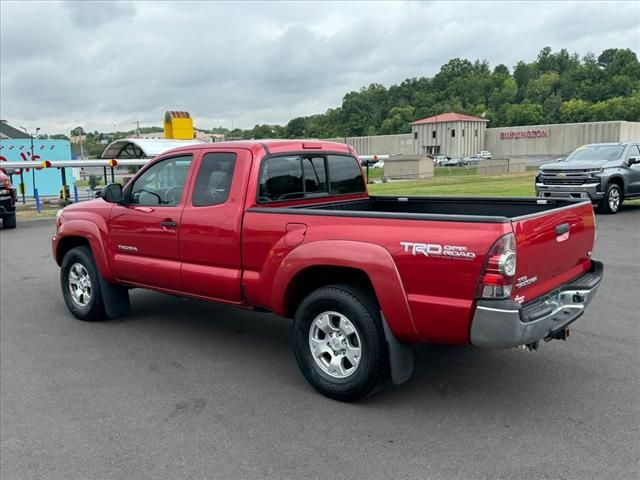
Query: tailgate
x=552, y=247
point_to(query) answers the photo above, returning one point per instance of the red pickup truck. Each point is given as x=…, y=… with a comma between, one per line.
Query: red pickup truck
x=288, y=227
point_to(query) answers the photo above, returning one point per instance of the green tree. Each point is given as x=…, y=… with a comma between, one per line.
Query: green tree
x=524, y=114
x=398, y=120
x=574, y=111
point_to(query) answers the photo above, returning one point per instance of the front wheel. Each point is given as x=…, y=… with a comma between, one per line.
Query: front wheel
x=612, y=199
x=339, y=342
x=80, y=283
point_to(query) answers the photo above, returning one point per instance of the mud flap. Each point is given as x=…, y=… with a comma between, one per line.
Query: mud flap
x=401, y=356
x=115, y=298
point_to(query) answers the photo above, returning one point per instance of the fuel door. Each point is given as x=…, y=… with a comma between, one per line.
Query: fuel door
x=294, y=234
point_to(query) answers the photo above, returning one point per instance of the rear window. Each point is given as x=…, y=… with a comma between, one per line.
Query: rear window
x=291, y=177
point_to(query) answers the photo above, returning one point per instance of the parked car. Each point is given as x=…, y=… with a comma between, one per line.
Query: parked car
x=471, y=160
x=453, y=162
x=605, y=173
x=484, y=154
x=439, y=160
x=7, y=202
x=288, y=227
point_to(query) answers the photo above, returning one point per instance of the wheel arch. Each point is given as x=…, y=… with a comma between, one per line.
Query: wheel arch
x=74, y=233
x=317, y=276
x=366, y=265
x=619, y=181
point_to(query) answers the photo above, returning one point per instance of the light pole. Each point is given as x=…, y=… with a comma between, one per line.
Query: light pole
x=33, y=173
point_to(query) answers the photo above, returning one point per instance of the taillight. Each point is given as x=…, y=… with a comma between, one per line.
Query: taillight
x=498, y=273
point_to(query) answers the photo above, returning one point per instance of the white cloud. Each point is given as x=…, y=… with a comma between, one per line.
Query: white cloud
x=95, y=63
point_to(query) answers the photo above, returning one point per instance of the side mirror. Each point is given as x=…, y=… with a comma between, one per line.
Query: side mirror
x=633, y=160
x=112, y=193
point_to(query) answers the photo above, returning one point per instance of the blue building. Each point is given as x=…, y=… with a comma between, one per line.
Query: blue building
x=48, y=181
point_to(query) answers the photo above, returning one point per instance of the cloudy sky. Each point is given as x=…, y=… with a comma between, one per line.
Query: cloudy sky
x=91, y=63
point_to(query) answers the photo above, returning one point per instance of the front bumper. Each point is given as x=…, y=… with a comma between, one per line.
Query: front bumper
x=506, y=324
x=586, y=191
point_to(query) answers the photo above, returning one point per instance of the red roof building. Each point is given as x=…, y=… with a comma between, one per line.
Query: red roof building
x=449, y=117
x=454, y=135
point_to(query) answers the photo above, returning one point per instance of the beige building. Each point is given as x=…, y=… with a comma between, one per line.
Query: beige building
x=556, y=139
x=451, y=134
x=380, y=144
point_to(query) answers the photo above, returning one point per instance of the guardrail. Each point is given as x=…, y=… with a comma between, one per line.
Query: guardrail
x=11, y=167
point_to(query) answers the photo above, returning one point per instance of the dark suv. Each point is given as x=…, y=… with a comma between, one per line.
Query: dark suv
x=7, y=202
x=607, y=173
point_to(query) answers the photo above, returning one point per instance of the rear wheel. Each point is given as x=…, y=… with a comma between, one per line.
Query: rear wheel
x=10, y=221
x=339, y=342
x=612, y=199
x=80, y=283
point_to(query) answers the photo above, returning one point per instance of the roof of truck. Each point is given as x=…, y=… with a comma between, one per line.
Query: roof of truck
x=278, y=145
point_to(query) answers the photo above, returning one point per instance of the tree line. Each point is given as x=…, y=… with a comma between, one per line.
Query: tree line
x=557, y=87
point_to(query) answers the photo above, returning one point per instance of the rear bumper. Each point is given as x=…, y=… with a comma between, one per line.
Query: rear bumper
x=587, y=190
x=506, y=324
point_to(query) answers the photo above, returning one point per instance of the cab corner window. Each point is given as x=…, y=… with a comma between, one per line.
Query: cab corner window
x=281, y=179
x=161, y=184
x=345, y=175
x=213, y=181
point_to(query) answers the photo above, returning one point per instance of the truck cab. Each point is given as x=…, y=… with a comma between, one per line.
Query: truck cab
x=605, y=173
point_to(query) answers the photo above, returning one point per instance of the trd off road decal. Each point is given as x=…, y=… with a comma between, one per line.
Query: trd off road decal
x=522, y=282
x=437, y=250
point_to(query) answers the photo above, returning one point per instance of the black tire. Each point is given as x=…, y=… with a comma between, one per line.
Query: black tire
x=361, y=309
x=608, y=204
x=10, y=221
x=94, y=308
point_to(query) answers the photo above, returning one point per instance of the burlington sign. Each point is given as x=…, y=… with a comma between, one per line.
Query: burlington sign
x=542, y=133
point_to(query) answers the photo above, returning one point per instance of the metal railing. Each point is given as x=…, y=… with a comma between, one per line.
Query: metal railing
x=17, y=168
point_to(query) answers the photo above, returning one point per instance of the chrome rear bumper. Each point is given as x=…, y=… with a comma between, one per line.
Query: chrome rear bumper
x=505, y=323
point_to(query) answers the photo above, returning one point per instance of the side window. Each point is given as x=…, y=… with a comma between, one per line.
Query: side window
x=213, y=181
x=345, y=175
x=281, y=179
x=633, y=152
x=315, y=176
x=162, y=183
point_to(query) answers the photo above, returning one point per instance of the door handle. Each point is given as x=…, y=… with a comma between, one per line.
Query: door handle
x=168, y=223
x=562, y=229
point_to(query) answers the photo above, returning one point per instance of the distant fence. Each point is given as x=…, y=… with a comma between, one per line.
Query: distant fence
x=18, y=168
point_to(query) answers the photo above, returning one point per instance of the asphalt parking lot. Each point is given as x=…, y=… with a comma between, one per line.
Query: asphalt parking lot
x=183, y=389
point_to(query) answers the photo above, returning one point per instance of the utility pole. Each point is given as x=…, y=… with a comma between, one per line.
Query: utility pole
x=33, y=171
x=137, y=124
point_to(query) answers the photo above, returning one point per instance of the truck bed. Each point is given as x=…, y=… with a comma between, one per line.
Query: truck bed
x=487, y=210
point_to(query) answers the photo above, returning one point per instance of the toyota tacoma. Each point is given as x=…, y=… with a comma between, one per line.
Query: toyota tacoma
x=288, y=227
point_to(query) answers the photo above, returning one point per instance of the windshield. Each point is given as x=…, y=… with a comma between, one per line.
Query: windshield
x=594, y=153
